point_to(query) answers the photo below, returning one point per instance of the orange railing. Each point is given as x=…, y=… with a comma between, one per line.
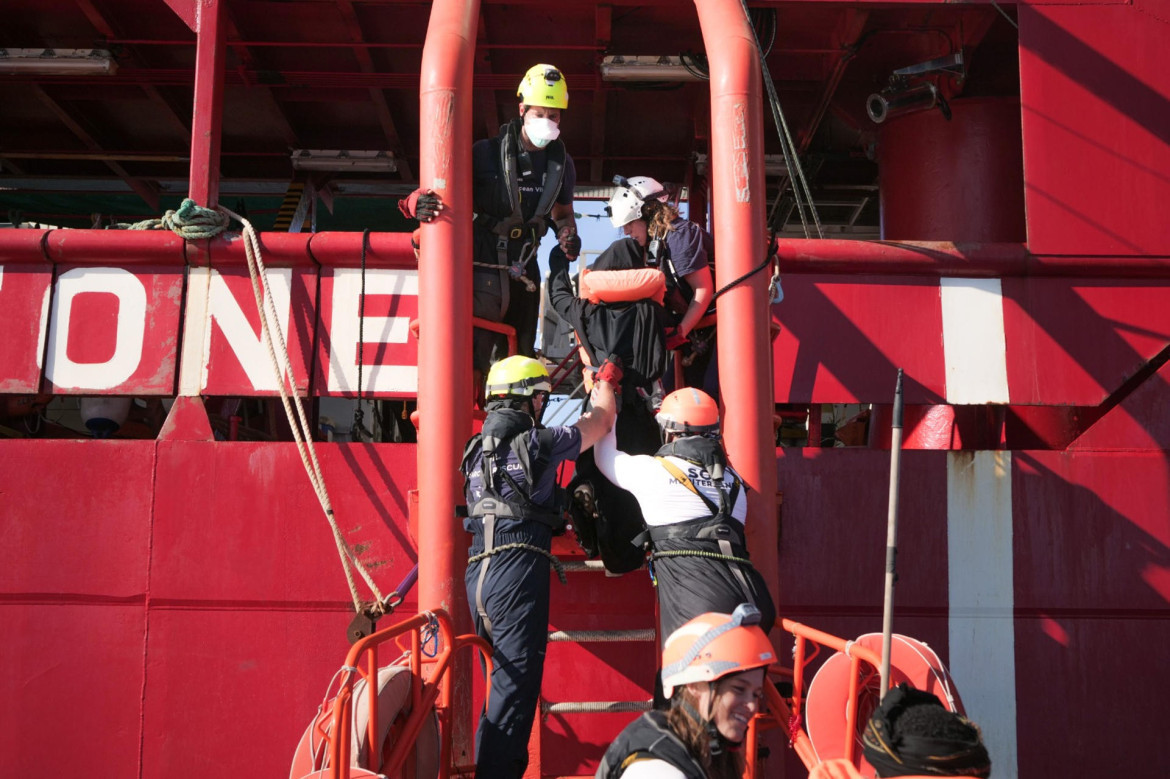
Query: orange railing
x=779, y=712
x=431, y=626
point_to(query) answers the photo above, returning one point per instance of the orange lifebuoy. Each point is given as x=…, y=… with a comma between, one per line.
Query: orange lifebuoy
x=911, y=661
x=311, y=759
x=622, y=286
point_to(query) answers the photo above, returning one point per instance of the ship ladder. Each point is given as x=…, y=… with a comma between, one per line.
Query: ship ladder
x=536, y=753
x=294, y=208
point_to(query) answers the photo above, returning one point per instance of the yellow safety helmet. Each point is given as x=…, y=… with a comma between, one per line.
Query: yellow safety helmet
x=517, y=376
x=544, y=85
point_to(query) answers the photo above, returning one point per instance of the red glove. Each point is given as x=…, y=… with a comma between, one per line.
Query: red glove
x=422, y=204
x=611, y=372
x=674, y=339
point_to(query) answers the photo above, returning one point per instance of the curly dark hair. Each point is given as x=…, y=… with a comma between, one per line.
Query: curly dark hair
x=728, y=764
x=659, y=217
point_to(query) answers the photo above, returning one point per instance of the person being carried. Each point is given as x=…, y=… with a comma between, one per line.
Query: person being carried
x=523, y=182
x=514, y=507
x=684, y=252
x=619, y=315
x=713, y=672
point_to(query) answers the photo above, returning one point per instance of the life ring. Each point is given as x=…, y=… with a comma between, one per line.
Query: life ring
x=311, y=759
x=911, y=661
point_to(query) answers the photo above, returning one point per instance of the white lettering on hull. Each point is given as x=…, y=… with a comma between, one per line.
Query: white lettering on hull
x=130, y=329
x=343, y=331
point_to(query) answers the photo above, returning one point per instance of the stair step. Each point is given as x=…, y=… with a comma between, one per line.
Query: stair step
x=594, y=636
x=576, y=564
x=592, y=707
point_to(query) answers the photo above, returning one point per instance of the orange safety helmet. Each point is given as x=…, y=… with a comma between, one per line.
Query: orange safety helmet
x=712, y=646
x=689, y=411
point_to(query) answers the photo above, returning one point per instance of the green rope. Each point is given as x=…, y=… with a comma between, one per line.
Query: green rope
x=556, y=564
x=696, y=553
x=189, y=221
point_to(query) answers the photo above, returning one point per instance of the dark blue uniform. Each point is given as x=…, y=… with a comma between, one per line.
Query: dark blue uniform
x=509, y=590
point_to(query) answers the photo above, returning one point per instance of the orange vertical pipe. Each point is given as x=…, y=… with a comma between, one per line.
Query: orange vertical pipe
x=445, y=318
x=737, y=183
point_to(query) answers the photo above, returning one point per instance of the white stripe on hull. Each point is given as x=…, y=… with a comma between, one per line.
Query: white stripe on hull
x=974, y=347
x=981, y=620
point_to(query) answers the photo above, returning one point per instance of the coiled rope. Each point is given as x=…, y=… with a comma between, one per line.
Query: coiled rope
x=190, y=221
x=194, y=222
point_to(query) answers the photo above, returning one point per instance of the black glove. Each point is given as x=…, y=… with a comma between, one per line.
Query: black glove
x=422, y=204
x=569, y=241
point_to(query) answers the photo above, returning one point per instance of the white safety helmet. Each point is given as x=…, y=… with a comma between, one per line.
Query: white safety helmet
x=648, y=189
x=624, y=207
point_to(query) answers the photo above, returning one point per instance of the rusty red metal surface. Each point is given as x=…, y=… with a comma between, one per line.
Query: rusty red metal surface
x=158, y=589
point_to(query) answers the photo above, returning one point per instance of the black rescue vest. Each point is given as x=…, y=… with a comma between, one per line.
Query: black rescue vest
x=507, y=431
x=720, y=525
x=501, y=210
x=647, y=738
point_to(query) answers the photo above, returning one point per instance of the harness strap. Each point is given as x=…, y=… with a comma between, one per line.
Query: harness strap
x=684, y=480
x=736, y=570
x=489, y=536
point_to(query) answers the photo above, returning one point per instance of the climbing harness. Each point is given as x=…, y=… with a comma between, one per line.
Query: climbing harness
x=515, y=162
x=716, y=528
x=492, y=505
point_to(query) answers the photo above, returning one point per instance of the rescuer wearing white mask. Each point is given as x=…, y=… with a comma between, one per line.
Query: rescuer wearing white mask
x=523, y=181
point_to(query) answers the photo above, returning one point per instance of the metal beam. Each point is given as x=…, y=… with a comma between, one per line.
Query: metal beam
x=485, y=98
x=845, y=36
x=141, y=188
x=106, y=29
x=265, y=93
x=381, y=106
x=602, y=31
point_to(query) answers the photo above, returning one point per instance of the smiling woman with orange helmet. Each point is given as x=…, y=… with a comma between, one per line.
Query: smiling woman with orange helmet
x=713, y=670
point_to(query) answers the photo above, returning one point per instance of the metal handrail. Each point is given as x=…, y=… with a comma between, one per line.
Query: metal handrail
x=779, y=712
x=424, y=692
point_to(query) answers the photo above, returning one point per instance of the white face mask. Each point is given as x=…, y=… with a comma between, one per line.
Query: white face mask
x=540, y=131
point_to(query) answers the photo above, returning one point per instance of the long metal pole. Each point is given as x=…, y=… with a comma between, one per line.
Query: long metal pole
x=444, y=305
x=892, y=538
x=737, y=183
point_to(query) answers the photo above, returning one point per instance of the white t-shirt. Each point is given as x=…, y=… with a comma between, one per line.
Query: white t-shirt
x=664, y=500
x=652, y=769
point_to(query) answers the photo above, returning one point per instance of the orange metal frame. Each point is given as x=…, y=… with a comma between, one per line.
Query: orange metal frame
x=780, y=712
x=423, y=693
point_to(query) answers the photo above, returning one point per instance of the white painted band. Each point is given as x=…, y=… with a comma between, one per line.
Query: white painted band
x=974, y=346
x=982, y=598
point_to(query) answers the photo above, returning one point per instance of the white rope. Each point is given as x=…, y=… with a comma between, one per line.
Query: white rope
x=302, y=432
